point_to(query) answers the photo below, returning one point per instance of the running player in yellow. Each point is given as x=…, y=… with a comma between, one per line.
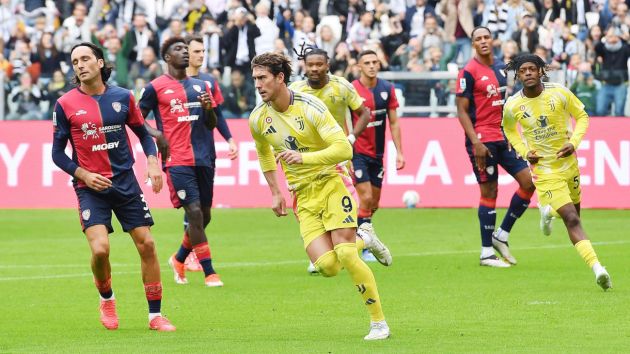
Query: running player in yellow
x=549, y=142
x=340, y=97
x=298, y=131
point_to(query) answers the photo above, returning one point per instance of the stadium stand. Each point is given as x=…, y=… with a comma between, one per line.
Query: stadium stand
x=421, y=43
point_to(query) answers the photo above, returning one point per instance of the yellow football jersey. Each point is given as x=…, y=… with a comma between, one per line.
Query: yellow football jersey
x=338, y=95
x=306, y=126
x=546, y=126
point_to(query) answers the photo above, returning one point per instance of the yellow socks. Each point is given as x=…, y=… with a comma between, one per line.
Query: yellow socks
x=362, y=277
x=586, y=251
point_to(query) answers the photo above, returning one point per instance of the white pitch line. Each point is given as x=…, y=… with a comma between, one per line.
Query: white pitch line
x=254, y=264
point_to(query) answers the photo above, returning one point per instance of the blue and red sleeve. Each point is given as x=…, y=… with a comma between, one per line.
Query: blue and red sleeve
x=216, y=93
x=135, y=121
x=61, y=135
x=393, y=100
x=465, y=85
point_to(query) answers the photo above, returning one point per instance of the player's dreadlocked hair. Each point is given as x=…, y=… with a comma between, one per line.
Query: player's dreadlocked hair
x=106, y=70
x=307, y=49
x=274, y=62
x=517, y=61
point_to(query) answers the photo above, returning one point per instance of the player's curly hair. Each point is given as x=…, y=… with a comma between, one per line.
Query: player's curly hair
x=106, y=70
x=516, y=63
x=276, y=63
x=307, y=50
x=169, y=43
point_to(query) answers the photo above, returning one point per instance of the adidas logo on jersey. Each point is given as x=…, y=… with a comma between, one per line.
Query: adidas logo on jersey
x=348, y=220
x=270, y=130
x=168, y=91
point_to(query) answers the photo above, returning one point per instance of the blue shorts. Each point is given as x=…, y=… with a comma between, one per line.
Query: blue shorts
x=189, y=184
x=124, y=198
x=368, y=169
x=501, y=155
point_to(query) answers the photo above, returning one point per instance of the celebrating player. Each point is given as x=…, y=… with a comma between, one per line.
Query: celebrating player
x=338, y=96
x=196, y=57
x=380, y=98
x=93, y=117
x=297, y=130
x=185, y=117
x=480, y=96
x=544, y=111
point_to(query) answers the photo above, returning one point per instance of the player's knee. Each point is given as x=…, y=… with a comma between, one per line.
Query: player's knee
x=100, y=252
x=347, y=253
x=328, y=264
x=194, y=215
x=572, y=220
x=146, y=247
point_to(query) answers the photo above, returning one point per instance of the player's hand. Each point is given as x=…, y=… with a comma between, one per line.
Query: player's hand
x=290, y=157
x=233, y=152
x=532, y=157
x=567, y=150
x=480, y=152
x=279, y=205
x=206, y=101
x=154, y=174
x=163, y=147
x=96, y=181
x=400, y=161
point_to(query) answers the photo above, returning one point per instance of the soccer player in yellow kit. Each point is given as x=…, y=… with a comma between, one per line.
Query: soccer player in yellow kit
x=340, y=97
x=298, y=131
x=544, y=111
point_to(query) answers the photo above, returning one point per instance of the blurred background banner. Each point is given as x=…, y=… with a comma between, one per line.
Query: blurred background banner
x=437, y=168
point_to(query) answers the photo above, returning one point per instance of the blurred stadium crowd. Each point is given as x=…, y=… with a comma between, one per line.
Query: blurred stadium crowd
x=585, y=42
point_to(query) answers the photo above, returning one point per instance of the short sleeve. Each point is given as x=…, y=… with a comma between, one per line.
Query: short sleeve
x=465, y=85
x=134, y=117
x=60, y=122
x=148, y=98
x=393, y=100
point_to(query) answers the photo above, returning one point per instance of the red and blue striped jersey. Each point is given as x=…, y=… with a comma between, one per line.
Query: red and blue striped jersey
x=485, y=87
x=95, y=126
x=378, y=100
x=180, y=117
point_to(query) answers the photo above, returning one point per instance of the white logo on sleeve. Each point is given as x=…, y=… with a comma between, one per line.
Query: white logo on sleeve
x=490, y=170
x=462, y=84
x=85, y=214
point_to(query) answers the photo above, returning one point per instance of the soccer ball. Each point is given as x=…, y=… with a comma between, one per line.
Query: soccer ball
x=410, y=198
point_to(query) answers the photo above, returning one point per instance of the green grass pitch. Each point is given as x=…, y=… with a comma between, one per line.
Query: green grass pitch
x=436, y=297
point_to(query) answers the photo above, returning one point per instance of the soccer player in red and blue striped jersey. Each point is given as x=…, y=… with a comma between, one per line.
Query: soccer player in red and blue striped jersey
x=185, y=117
x=93, y=117
x=196, y=58
x=380, y=99
x=480, y=97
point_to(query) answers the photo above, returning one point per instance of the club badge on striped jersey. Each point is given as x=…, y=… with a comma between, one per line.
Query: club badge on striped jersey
x=116, y=106
x=197, y=88
x=384, y=95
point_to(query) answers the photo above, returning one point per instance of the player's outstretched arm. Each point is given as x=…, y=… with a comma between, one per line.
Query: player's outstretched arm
x=480, y=151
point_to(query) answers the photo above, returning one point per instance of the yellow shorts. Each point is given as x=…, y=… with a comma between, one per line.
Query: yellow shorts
x=324, y=205
x=559, y=189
